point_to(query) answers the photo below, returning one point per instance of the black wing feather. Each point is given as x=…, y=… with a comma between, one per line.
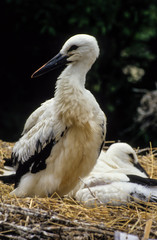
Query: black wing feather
x=35, y=163
x=8, y=162
x=8, y=179
x=142, y=181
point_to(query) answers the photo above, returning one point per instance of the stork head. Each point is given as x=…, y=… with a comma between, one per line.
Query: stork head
x=124, y=156
x=81, y=48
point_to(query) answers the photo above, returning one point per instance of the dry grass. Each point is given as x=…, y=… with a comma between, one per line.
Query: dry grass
x=58, y=218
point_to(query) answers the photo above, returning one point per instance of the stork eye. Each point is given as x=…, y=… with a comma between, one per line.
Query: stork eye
x=131, y=156
x=73, y=47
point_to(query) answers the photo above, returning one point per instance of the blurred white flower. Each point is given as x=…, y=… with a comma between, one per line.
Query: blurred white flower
x=134, y=73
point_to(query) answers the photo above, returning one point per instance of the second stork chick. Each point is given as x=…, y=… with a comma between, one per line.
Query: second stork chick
x=117, y=178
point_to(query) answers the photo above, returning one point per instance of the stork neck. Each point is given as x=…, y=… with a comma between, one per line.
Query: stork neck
x=73, y=77
x=70, y=96
x=76, y=73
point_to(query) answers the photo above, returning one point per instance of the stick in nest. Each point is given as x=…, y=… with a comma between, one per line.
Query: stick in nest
x=92, y=194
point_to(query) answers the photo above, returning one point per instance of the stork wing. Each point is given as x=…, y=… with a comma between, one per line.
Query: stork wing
x=98, y=179
x=34, y=147
x=38, y=115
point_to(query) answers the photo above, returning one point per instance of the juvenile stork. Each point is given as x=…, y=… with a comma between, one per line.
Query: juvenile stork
x=117, y=178
x=62, y=139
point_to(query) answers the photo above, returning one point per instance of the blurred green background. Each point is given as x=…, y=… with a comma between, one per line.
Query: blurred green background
x=32, y=32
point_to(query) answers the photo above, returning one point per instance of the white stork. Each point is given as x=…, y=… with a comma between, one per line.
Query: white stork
x=117, y=178
x=62, y=139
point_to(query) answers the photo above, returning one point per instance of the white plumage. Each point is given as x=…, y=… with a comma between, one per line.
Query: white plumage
x=62, y=139
x=117, y=178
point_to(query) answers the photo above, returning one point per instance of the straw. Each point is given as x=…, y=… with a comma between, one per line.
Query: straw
x=65, y=218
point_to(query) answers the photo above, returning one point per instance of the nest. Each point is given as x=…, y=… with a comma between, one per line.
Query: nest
x=64, y=218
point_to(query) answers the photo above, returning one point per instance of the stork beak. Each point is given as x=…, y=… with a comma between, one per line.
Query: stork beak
x=55, y=62
x=138, y=165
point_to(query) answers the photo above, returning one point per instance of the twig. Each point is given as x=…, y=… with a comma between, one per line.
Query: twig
x=147, y=229
x=25, y=231
x=4, y=236
x=27, y=219
x=92, y=194
x=152, y=159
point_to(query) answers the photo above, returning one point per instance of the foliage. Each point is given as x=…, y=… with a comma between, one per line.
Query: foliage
x=33, y=31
